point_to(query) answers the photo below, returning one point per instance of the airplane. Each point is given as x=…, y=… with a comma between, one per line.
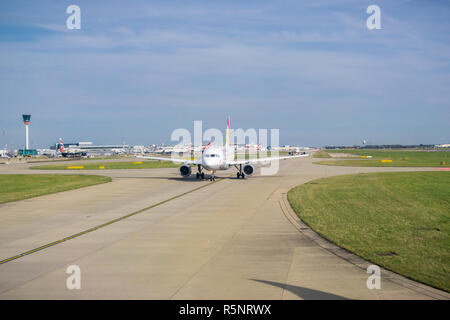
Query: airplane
x=365, y=143
x=216, y=158
x=253, y=147
x=69, y=152
x=179, y=149
x=5, y=153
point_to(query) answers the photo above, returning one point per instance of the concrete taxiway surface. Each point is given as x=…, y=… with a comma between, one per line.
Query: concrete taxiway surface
x=228, y=240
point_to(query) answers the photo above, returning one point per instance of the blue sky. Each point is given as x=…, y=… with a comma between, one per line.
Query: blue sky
x=139, y=69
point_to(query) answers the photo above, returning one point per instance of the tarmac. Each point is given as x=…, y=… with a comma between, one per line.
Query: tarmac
x=150, y=234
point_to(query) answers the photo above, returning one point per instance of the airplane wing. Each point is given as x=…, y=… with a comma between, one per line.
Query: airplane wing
x=251, y=161
x=170, y=159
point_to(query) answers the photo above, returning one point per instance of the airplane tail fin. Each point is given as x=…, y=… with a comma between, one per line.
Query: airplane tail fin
x=61, y=145
x=206, y=147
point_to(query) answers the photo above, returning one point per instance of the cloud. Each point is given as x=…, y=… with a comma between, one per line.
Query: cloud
x=53, y=27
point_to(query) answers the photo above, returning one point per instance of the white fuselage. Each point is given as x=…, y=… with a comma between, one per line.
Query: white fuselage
x=216, y=158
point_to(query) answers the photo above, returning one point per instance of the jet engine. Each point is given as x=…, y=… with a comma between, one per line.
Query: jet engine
x=249, y=169
x=185, y=170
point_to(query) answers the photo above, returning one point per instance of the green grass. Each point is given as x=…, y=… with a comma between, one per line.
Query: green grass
x=49, y=159
x=109, y=165
x=403, y=212
x=321, y=154
x=399, y=158
x=23, y=186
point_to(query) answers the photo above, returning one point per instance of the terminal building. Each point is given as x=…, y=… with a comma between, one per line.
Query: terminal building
x=88, y=148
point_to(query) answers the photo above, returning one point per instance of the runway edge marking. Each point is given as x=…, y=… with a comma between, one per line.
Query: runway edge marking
x=102, y=225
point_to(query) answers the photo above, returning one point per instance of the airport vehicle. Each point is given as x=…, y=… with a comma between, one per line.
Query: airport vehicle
x=216, y=158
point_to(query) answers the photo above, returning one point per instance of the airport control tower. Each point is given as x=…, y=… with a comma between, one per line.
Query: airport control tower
x=27, y=151
x=26, y=120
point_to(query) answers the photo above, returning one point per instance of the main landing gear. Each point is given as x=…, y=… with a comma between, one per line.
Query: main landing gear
x=240, y=173
x=200, y=174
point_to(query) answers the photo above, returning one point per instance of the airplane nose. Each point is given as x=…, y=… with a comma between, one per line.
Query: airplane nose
x=210, y=162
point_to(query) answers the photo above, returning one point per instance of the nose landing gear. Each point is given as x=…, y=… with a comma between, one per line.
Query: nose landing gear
x=201, y=175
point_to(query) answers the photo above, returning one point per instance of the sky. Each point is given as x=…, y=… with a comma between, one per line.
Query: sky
x=137, y=70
